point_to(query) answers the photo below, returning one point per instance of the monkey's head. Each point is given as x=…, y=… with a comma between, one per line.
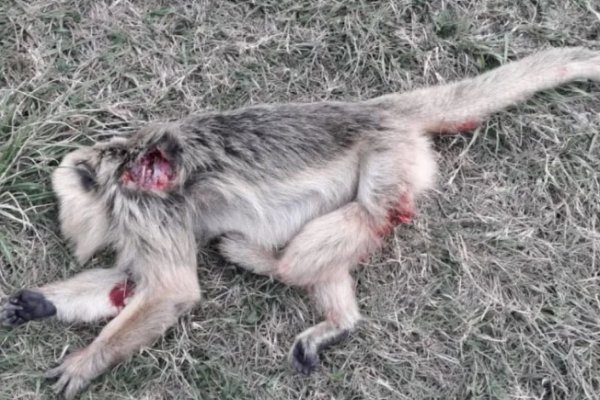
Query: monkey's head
x=88, y=179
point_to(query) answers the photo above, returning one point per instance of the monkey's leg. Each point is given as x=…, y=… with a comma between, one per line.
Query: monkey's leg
x=336, y=300
x=154, y=307
x=89, y=296
x=313, y=250
x=319, y=258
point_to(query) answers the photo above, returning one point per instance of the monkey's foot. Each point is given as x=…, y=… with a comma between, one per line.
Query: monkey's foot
x=304, y=355
x=25, y=306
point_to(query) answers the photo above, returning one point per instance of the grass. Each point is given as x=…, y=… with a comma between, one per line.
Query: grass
x=493, y=292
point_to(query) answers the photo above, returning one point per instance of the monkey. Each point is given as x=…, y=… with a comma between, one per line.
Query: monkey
x=298, y=192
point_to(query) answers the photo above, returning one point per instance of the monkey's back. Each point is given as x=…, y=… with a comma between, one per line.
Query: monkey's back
x=278, y=140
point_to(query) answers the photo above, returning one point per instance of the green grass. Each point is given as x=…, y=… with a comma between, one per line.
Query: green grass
x=493, y=292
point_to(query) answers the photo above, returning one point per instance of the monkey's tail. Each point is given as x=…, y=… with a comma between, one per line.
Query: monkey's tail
x=461, y=106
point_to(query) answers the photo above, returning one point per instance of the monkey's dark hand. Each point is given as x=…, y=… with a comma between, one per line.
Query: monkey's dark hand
x=25, y=306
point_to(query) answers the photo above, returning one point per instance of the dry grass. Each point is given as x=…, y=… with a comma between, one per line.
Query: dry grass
x=494, y=291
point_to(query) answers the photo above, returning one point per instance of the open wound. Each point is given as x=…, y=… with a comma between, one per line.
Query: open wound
x=152, y=171
x=466, y=126
x=120, y=293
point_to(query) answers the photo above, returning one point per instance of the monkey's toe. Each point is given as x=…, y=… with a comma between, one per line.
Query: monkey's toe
x=25, y=306
x=304, y=358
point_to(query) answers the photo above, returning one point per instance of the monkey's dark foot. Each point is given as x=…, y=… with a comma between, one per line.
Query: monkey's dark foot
x=304, y=356
x=25, y=306
x=305, y=352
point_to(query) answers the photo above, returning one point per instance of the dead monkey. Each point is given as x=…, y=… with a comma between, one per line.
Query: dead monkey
x=299, y=192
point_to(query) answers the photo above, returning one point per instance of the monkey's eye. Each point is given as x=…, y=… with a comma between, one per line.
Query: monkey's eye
x=86, y=176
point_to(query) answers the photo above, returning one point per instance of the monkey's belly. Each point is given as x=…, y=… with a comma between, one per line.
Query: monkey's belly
x=272, y=213
x=281, y=222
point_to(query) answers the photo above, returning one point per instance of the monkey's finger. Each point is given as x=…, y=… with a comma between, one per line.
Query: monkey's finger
x=76, y=384
x=14, y=300
x=60, y=385
x=9, y=315
x=11, y=306
x=54, y=372
x=12, y=321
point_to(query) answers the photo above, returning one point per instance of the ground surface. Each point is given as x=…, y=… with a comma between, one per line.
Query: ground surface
x=492, y=293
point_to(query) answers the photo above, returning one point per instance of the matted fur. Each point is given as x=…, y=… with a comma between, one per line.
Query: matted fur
x=299, y=192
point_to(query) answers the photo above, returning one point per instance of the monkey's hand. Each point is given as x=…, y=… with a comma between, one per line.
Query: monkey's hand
x=25, y=306
x=77, y=371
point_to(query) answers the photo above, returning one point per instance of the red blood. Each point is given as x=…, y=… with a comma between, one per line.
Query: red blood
x=126, y=177
x=402, y=213
x=384, y=230
x=461, y=127
x=467, y=126
x=120, y=292
x=152, y=172
x=400, y=216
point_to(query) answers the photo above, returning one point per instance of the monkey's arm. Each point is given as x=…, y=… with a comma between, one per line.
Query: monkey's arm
x=155, y=306
x=88, y=296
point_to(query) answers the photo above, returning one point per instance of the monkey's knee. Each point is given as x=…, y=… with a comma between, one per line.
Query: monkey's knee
x=186, y=303
x=26, y=306
x=183, y=294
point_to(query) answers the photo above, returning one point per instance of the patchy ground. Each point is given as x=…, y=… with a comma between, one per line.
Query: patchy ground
x=493, y=292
